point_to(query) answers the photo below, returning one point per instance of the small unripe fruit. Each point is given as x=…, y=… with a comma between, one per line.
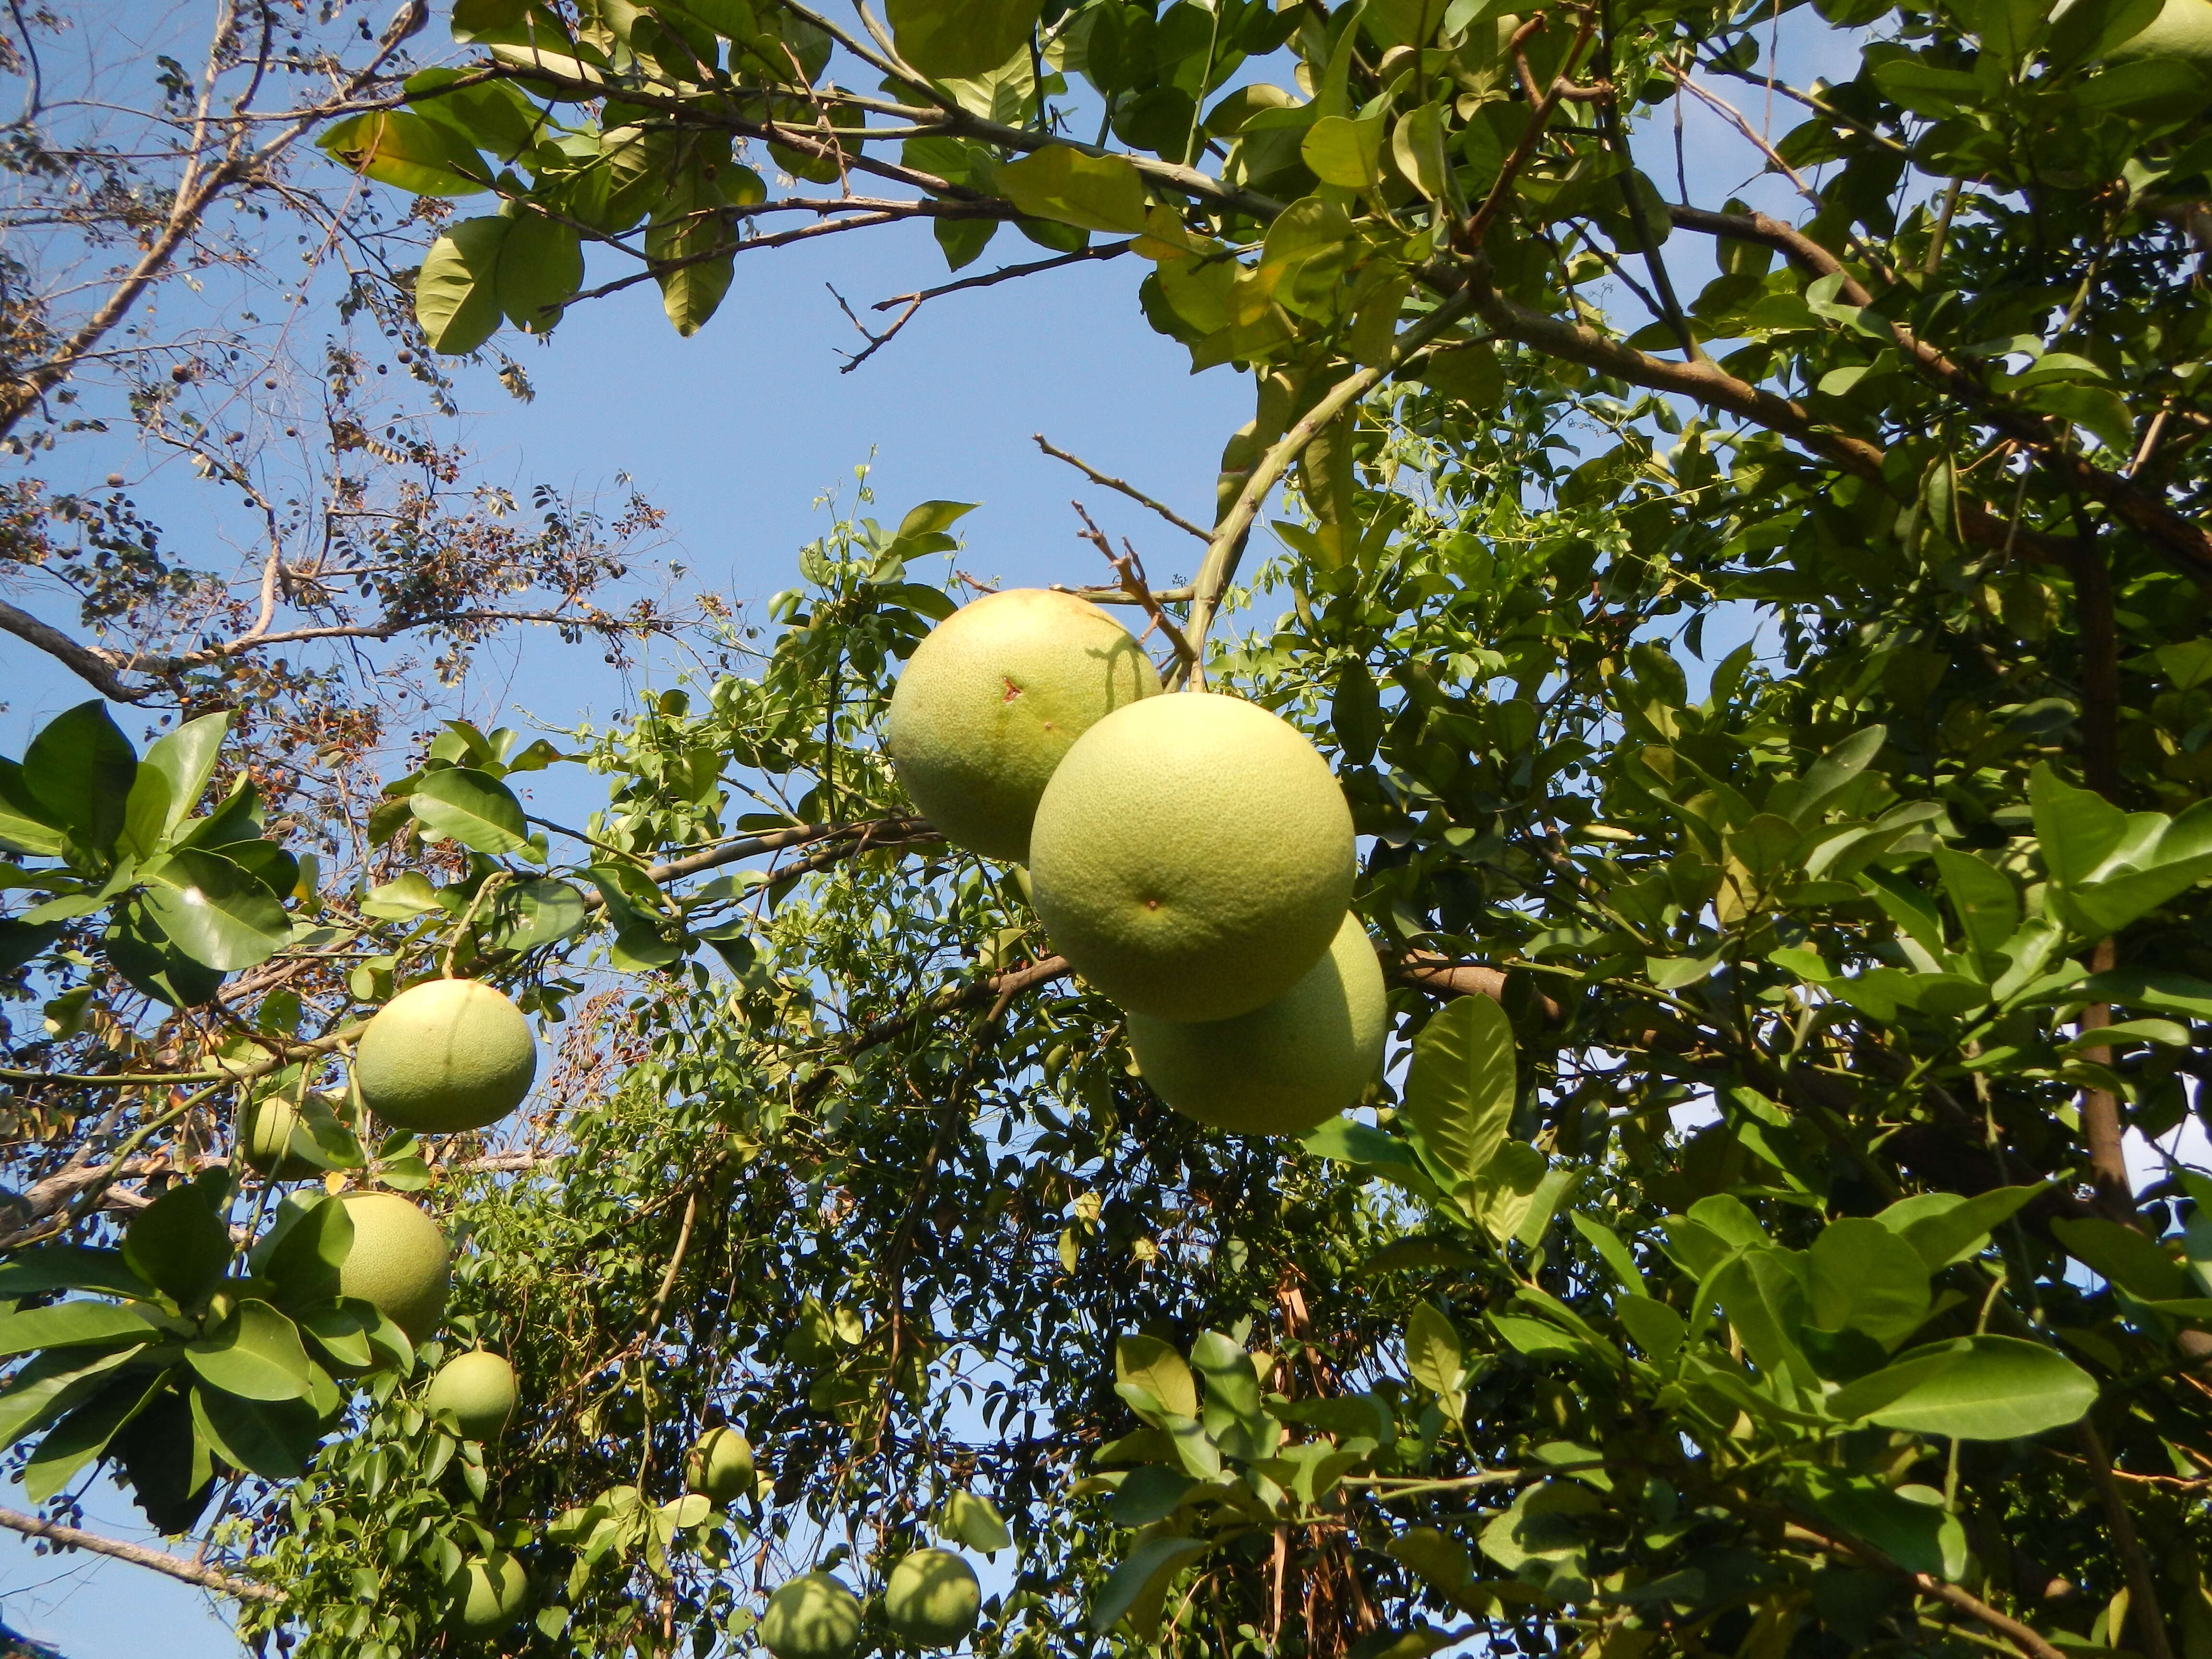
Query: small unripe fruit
x=812, y=1616
x=931, y=1598
x=491, y=1595
x=446, y=1055
x=720, y=1466
x=478, y=1389
x=398, y=1261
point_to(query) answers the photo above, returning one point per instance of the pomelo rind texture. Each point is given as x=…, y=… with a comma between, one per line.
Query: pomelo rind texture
x=990, y=702
x=446, y=1055
x=1192, y=857
x=812, y=1616
x=1286, y=1066
x=398, y=1261
x=264, y=1139
x=720, y=1466
x=478, y=1387
x=931, y=1598
x=494, y=1593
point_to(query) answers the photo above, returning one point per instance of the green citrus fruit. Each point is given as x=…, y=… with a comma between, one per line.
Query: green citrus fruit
x=812, y=1616
x=2182, y=29
x=720, y=1466
x=398, y=1261
x=931, y=1598
x=478, y=1389
x=991, y=700
x=446, y=1055
x=265, y=1136
x=1286, y=1065
x=490, y=1594
x=1192, y=857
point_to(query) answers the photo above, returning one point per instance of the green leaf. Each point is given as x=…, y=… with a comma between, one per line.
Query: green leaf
x=74, y=1325
x=255, y=1354
x=1345, y=151
x=2098, y=408
x=271, y=1439
x=930, y=518
x=1434, y=1358
x=1460, y=1087
x=2127, y=1257
x=83, y=1435
x=186, y=758
x=52, y=1384
x=406, y=895
x=1095, y=192
x=692, y=247
x=1987, y=904
x=1978, y=1388
x=1611, y=1250
x=69, y=1267
x=550, y=911
x=213, y=910
x=304, y=1248
x=1865, y=1278
x=399, y=148
x=1139, y=1583
x=976, y=1521
x=2154, y=990
x=1919, y=1537
x=179, y=1244
x=951, y=40
x=2076, y=828
x=473, y=808
x=23, y=826
x=541, y=264
x=457, y=290
x=1148, y=1363
x=1945, y=1228
x=79, y=770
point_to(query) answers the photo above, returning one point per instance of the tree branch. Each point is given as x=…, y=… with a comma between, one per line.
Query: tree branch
x=139, y=1555
x=1122, y=485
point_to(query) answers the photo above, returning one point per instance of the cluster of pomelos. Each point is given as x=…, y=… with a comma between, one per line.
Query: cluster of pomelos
x=449, y=1055
x=1190, y=854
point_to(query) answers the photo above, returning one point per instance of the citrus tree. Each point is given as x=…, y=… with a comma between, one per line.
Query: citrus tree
x=1773, y=718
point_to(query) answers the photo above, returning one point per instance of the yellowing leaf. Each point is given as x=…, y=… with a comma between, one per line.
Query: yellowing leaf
x=1096, y=192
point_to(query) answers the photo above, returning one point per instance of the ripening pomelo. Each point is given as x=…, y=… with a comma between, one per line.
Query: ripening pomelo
x=1192, y=857
x=931, y=1598
x=490, y=1594
x=2182, y=29
x=265, y=1136
x=478, y=1389
x=1285, y=1067
x=812, y=1616
x=398, y=1261
x=446, y=1055
x=991, y=700
x=720, y=1466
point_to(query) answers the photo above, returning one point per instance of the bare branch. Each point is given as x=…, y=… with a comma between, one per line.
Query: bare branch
x=1121, y=485
x=214, y=1578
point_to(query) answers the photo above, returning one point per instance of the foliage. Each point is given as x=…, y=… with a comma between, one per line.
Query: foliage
x=1777, y=731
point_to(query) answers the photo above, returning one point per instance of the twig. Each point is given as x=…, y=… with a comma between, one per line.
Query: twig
x=2143, y=1583
x=659, y=1303
x=139, y=1555
x=914, y=301
x=1120, y=484
x=1228, y=539
x=2021, y=1636
x=1131, y=570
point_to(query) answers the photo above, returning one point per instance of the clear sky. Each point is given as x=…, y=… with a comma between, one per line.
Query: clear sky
x=736, y=432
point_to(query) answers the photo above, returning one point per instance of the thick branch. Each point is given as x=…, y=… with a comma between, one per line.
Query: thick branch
x=139, y=1555
x=91, y=666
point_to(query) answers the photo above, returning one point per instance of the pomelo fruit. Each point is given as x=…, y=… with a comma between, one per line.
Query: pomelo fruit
x=478, y=1389
x=812, y=1616
x=264, y=1136
x=720, y=1466
x=1192, y=856
x=1286, y=1065
x=991, y=700
x=446, y=1055
x=490, y=1594
x=398, y=1261
x=931, y=1598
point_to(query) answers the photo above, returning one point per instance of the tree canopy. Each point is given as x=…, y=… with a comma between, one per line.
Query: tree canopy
x=1776, y=719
